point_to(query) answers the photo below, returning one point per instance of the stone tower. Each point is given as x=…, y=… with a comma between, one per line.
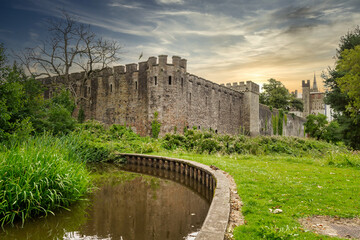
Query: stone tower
x=251, y=105
x=306, y=97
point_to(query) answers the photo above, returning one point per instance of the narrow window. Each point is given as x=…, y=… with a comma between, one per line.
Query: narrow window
x=110, y=87
x=190, y=97
x=169, y=80
x=136, y=85
x=198, y=127
x=182, y=82
x=155, y=80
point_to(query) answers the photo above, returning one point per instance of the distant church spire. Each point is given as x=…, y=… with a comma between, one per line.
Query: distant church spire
x=315, y=88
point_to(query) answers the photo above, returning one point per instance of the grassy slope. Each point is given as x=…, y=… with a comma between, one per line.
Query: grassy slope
x=299, y=186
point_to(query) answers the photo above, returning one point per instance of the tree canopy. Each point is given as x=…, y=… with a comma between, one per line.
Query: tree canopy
x=22, y=107
x=276, y=95
x=342, y=87
x=349, y=83
x=315, y=125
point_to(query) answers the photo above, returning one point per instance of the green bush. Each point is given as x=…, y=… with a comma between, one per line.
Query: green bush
x=199, y=142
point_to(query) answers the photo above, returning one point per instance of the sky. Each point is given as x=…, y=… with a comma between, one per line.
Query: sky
x=223, y=41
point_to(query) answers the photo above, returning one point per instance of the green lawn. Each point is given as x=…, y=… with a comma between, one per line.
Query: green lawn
x=301, y=187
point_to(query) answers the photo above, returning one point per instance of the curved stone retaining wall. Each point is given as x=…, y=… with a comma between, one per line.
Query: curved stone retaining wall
x=215, y=224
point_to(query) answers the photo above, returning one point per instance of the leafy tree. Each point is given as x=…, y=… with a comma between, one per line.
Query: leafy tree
x=338, y=99
x=23, y=109
x=296, y=103
x=13, y=97
x=349, y=65
x=55, y=115
x=332, y=132
x=276, y=95
x=315, y=125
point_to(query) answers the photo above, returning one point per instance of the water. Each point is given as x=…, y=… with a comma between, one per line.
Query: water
x=127, y=206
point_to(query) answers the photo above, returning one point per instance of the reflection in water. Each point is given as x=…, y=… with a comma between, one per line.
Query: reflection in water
x=125, y=205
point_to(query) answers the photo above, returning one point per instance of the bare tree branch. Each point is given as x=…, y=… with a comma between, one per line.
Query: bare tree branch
x=71, y=47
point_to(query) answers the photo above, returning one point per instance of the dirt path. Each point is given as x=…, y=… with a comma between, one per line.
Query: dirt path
x=335, y=227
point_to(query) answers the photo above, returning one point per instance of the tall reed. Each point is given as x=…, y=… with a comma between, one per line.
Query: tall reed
x=39, y=175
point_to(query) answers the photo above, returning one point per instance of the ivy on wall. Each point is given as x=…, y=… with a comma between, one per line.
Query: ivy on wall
x=155, y=126
x=277, y=122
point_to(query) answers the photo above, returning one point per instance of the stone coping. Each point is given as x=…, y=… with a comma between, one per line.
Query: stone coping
x=216, y=221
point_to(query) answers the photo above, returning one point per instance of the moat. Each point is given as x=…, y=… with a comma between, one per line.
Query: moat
x=125, y=205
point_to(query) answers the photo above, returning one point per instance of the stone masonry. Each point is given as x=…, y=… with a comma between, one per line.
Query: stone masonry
x=131, y=95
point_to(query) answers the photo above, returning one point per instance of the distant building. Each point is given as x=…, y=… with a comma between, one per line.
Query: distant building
x=313, y=101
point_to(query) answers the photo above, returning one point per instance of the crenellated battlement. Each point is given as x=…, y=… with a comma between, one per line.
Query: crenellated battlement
x=177, y=62
x=307, y=84
x=247, y=86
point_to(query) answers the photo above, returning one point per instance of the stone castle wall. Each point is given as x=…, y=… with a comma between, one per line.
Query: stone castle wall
x=131, y=95
x=293, y=126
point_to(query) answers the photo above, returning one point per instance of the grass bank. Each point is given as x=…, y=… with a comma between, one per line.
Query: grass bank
x=301, y=187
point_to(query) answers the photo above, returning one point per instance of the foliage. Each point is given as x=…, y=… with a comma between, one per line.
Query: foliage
x=276, y=95
x=81, y=115
x=19, y=98
x=296, y=103
x=104, y=144
x=332, y=132
x=54, y=114
x=349, y=83
x=155, y=126
x=315, y=125
x=280, y=122
x=39, y=175
x=349, y=124
x=22, y=103
x=349, y=41
x=210, y=143
x=274, y=123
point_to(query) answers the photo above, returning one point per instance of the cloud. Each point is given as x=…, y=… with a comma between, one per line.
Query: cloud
x=170, y=1
x=229, y=41
x=125, y=6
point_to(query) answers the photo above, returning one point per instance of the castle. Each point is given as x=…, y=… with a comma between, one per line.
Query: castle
x=313, y=101
x=132, y=94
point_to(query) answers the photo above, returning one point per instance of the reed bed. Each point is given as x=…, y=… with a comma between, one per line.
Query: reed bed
x=39, y=175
